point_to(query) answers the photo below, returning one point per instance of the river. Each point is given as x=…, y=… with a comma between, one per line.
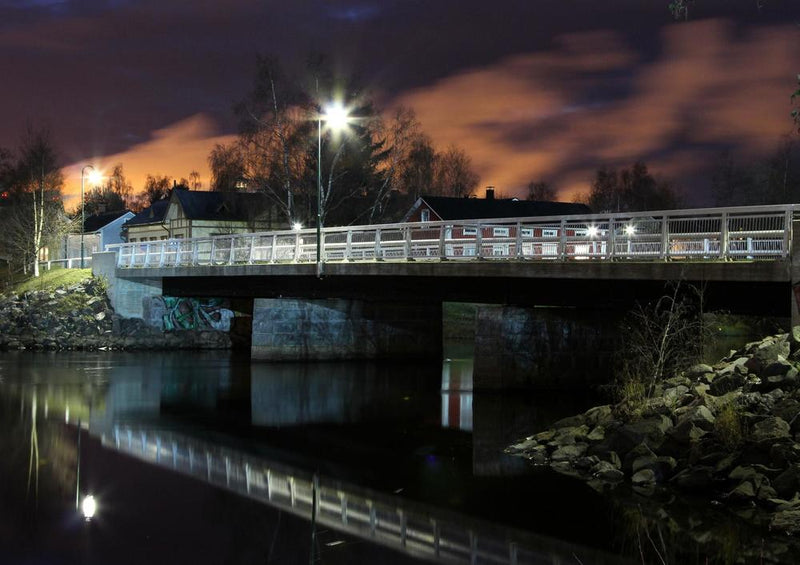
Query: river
x=209, y=458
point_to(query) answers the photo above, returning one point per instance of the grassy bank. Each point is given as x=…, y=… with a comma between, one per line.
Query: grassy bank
x=50, y=280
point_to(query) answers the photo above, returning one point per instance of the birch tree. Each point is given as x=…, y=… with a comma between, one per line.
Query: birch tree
x=37, y=209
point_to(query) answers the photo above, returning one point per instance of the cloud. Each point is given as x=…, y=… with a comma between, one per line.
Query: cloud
x=175, y=151
x=593, y=101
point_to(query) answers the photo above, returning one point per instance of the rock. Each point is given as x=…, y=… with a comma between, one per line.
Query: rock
x=568, y=452
x=770, y=349
x=726, y=383
x=787, y=484
x=526, y=445
x=742, y=492
x=696, y=371
x=597, y=434
x=784, y=454
x=787, y=521
x=641, y=451
x=644, y=477
x=570, y=422
x=607, y=472
x=674, y=396
x=686, y=433
x=769, y=430
x=694, y=478
x=700, y=416
x=586, y=463
x=598, y=415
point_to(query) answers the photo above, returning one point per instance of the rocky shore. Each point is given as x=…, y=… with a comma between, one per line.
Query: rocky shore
x=728, y=433
x=80, y=317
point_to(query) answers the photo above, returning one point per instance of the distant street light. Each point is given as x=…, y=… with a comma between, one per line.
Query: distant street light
x=94, y=177
x=336, y=117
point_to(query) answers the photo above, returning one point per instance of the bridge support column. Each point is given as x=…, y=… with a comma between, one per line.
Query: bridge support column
x=543, y=348
x=795, y=276
x=289, y=329
x=127, y=296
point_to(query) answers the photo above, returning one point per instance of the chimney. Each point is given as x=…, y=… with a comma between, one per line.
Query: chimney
x=489, y=193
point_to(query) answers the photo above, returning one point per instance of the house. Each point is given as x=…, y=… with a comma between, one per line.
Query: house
x=193, y=213
x=99, y=230
x=496, y=240
x=442, y=208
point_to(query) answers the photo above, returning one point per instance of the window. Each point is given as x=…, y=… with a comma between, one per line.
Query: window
x=425, y=216
x=550, y=233
x=500, y=232
x=527, y=232
x=470, y=231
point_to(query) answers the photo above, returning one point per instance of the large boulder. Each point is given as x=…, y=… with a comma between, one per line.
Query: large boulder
x=622, y=439
x=787, y=484
x=694, y=479
x=770, y=430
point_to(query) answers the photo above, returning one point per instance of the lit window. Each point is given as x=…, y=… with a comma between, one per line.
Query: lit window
x=500, y=232
x=527, y=232
x=470, y=231
x=425, y=216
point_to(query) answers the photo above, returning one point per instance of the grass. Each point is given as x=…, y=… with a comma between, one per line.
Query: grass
x=50, y=280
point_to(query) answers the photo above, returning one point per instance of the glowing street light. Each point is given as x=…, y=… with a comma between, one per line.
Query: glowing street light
x=297, y=226
x=336, y=117
x=89, y=507
x=630, y=230
x=591, y=231
x=94, y=178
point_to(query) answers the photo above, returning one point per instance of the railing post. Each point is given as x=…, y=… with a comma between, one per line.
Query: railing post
x=562, y=240
x=252, y=239
x=665, y=237
x=213, y=251
x=724, y=252
x=297, y=244
x=612, y=239
x=274, y=250
x=348, y=248
x=479, y=240
x=377, y=251
x=787, y=233
x=147, y=255
x=519, y=241
x=195, y=251
x=232, y=256
x=407, y=231
x=442, y=248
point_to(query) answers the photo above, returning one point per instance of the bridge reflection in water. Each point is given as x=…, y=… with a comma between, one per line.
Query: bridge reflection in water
x=416, y=529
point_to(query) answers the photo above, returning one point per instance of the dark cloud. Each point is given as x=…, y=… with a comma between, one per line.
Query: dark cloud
x=526, y=87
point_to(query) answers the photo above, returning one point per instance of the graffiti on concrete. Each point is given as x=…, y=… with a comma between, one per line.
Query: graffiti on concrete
x=174, y=313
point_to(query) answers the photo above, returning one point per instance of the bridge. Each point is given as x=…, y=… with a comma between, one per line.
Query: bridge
x=382, y=286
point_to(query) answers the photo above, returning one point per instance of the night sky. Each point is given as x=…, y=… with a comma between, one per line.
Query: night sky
x=531, y=89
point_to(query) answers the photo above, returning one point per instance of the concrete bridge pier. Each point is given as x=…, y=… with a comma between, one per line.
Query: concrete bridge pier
x=127, y=296
x=543, y=348
x=295, y=329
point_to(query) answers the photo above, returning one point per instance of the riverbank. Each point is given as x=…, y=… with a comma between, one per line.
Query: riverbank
x=80, y=317
x=728, y=433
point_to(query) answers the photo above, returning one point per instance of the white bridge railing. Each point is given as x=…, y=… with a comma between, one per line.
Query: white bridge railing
x=420, y=530
x=711, y=234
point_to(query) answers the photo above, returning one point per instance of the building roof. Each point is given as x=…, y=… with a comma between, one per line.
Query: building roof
x=478, y=208
x=221, y=206
x=96, y=222
x=153, y=214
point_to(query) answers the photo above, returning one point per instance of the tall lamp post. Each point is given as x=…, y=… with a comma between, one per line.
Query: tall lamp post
x=336, y=118
x=83, y=215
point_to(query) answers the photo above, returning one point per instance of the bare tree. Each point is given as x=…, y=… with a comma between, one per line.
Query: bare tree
x=453, y=173
x=37, y=214
x=541, y=191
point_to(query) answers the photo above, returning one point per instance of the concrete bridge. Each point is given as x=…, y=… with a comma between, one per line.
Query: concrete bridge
x=376, y=291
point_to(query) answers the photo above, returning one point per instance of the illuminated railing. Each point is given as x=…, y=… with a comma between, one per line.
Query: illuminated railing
x=423, y=531
x=711, y=234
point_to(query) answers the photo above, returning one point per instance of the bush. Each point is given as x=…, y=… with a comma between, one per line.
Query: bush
x=729, y=426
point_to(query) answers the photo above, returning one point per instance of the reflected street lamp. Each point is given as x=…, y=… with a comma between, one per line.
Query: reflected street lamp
x=93, y=176
x=336, y=117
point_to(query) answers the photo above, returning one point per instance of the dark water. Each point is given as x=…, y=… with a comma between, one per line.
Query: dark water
x=412, y=439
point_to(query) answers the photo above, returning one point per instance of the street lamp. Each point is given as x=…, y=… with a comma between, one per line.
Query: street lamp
x=336, y=117
x=93, y=177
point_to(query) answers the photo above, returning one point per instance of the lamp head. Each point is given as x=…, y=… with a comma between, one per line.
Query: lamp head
x=336, y=116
